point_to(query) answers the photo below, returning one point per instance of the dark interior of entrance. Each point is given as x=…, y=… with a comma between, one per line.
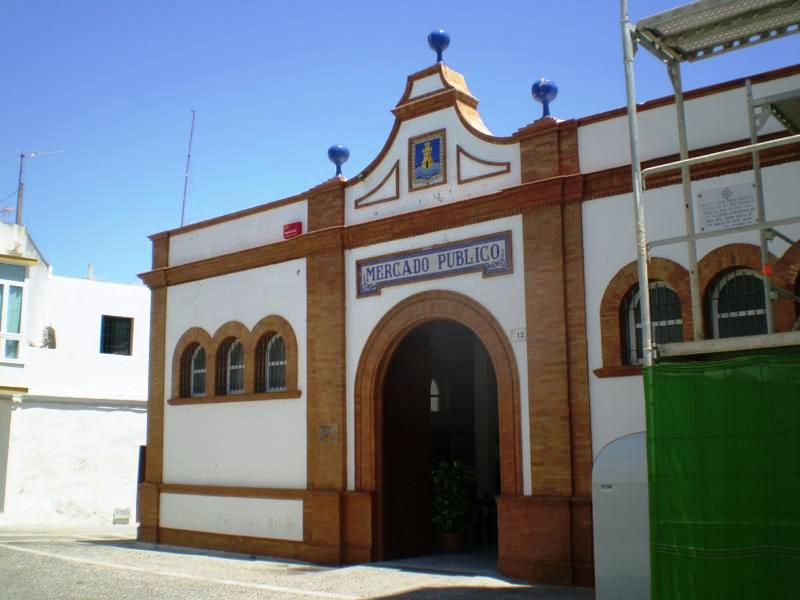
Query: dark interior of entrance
x=440, y=403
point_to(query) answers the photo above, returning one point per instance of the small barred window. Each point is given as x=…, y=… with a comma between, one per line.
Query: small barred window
x=236, y=368
x=665, y=315
x=270, y=364
x=230, y=368
x=737, y=305
x=193, y=371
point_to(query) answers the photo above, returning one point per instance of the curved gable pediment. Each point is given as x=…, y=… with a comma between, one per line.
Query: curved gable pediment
x=439, y=151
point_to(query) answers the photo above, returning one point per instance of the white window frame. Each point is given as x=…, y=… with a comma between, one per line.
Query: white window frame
x=721, y=283
x=7, y=336
x=192, y=371
x=435, y=396
x=234, y=367
x=270, y=386
x=633, y=340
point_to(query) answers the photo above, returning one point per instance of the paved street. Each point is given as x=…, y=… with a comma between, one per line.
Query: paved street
x=37, y=564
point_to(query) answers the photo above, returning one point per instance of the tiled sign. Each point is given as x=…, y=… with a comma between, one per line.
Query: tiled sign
x=490, y=254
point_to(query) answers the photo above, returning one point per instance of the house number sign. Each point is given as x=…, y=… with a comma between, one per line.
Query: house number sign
x=489, y=254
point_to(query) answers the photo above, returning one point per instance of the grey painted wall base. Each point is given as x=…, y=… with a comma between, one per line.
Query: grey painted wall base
x=621, y=520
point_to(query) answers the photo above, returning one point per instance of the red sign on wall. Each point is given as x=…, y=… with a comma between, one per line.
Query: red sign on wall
x=292, y=229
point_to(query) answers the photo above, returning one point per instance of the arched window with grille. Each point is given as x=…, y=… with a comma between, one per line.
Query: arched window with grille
x=230, y=368
x=736, y=305
x=193, y=371
x=665, y=315
x=270, y=364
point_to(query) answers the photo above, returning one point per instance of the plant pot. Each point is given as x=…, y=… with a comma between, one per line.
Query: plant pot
x=451, y=543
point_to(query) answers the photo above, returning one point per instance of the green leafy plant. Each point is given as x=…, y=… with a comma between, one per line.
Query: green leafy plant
x=453, y=497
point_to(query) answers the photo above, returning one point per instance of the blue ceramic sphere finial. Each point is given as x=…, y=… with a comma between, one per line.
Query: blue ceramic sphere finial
x=438, y=40
x=544, y=91
x=338, y=155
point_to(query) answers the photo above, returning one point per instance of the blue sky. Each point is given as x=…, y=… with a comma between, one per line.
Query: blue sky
x=274, y=84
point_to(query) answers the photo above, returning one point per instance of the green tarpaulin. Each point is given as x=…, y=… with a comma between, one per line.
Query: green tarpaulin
x=723, y=449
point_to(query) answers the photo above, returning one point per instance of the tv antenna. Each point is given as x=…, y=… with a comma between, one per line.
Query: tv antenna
x=21, y=185
x=186, y=175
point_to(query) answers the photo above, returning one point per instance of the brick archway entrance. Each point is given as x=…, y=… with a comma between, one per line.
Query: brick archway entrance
x=372, y=368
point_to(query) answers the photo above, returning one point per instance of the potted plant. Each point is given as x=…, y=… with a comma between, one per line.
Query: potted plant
x=453, y=503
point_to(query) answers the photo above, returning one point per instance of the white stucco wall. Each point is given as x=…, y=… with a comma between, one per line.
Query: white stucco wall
x=710, y=120
x=71, y=464
x=254, y=517
x=426, y=85
x=265, y=227
x=35, y=304
x=69, y=450
x=503, y=296
x=76, y=368
x=260, y=443
x=457, y=134
x=608, y=228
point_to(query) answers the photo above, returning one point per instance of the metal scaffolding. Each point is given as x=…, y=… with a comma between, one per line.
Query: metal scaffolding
x=696, y=31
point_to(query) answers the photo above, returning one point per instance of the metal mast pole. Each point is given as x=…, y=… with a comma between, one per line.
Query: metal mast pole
x=674, y=70
x=21, y=184
x=186, y=175
x=636, y=175
x=760, y=210
x=20, y=189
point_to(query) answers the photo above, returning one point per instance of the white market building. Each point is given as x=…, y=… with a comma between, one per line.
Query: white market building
x=465, y=296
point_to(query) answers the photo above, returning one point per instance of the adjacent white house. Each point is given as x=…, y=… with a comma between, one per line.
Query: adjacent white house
x=73, y=389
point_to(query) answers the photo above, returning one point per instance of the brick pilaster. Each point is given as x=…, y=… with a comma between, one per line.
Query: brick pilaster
x=148, y=499
x=326, y=204
x=550, y=540
x=326, y=368
x=548, y=368
x=548, y=148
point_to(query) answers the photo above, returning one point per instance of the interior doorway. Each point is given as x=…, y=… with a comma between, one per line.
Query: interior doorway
x=439, y=404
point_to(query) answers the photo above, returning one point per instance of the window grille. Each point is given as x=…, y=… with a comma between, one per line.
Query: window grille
x=193, y=371
x=235, y=366
x=270, y=364
x=667, y=320
x=198, y=387
x=221, y=378
x=115, y=335
x=737, y=305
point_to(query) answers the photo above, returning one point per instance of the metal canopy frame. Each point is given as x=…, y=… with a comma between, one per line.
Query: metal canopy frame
x=712, y=27
x=696, y=31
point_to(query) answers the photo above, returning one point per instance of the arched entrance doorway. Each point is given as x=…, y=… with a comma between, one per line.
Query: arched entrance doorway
x=370, y=385
x=439, y=412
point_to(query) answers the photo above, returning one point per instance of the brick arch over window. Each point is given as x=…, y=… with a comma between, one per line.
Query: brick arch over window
x=748, y=256
x=223, y=337
x=279, y=325
x=193, y=335
x=227, y=332
x=376, y=356
x=659, y=269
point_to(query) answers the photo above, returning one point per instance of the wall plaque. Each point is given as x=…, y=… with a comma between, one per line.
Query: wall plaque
x=328, y=434
x=490, y=254
x=728, y=207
